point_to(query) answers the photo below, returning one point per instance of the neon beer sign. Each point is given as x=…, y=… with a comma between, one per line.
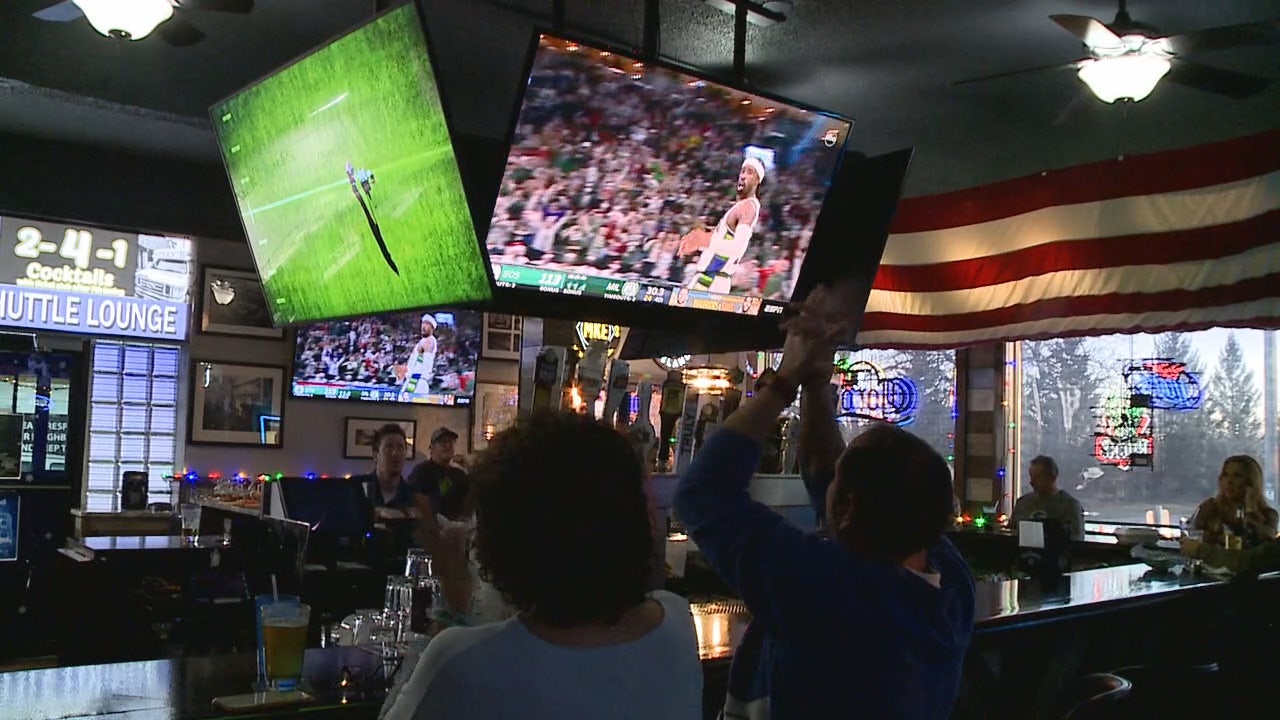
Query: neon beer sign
x=866, y=393
x=1169, y=384
x=1125, y=436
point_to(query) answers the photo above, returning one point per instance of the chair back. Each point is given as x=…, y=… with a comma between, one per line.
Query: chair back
x=1097, y=696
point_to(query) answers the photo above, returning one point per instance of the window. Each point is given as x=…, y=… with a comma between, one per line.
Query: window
x=913, y=389
x=133, y=420
x=1140, y=424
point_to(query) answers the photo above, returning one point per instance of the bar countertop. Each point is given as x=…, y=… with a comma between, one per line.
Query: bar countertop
x=177, y=689
x=1002, y=605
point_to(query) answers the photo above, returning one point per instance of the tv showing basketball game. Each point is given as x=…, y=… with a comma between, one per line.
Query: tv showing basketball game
x=346, y=180
x=640, y=183
x=417, y=357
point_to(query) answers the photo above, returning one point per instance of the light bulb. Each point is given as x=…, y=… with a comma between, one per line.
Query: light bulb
x=132, y=20
x=1124, y=77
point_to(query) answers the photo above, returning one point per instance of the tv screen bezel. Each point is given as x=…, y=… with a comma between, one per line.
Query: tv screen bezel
x=361, y=402
x=450, y=127
x=533, y=303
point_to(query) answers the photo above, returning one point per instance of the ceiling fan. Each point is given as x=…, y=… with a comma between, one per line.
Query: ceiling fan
x=1126, y=59
x=136, y=19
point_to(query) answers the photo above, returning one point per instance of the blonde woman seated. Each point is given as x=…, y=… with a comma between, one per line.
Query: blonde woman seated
x=1239, y=506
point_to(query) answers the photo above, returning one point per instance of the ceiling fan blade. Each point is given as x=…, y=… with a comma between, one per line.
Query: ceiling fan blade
x=242, y=7
x=1025, y=71
x=1223, y=38
x=1216, y=80
x=180, y=33
x=65, y=11
x=1091, y=31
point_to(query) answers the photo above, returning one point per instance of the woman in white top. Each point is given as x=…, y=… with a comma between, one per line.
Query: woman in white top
x=568, y=545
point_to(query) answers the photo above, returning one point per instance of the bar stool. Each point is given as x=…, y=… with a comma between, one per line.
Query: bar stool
x=1097, y=696
x=1169, y=689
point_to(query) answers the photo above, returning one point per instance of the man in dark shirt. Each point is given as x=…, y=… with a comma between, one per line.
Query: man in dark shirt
x=388, y=496
x=875, y=619
x=445, y=484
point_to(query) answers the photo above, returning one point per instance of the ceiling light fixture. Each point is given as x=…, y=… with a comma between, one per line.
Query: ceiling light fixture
x=132, y=20
x=1130, y=72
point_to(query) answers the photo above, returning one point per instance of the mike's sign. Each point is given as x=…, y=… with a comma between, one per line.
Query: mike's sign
x=78, y=279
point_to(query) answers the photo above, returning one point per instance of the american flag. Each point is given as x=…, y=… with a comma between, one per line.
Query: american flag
x=1179, y=240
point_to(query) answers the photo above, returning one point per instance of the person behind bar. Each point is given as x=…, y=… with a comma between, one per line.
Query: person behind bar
x=1239, y=506
x=437, y=477
x=389, y=499
x=873, y=622
x=569, y=545
x=1047, y=501
x=390, y=495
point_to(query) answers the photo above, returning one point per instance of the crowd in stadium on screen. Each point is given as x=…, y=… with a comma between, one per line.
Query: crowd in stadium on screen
x=612, y=191
x=374, y=351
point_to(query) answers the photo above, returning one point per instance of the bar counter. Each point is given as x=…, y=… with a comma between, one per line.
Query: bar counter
x=178, y=689
x=183, y=689
x=1006, y=605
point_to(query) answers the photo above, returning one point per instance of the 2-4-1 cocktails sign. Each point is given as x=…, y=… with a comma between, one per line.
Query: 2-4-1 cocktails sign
x=79, y=279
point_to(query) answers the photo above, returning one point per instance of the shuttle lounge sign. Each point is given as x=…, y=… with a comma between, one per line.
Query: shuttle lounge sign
x=77, y=279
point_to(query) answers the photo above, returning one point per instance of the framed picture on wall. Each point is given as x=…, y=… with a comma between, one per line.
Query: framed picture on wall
x=232, y=303
x=234, y=404
x=501, y=338
x=358, y=436
x=494, y=410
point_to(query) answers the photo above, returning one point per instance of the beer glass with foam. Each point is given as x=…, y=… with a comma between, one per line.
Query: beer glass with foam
x=284, y=640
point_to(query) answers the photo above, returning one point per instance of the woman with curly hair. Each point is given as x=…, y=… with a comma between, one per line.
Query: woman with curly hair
x=568, y=544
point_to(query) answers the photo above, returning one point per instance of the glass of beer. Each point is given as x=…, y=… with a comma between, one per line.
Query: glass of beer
x=190, y=516
x=284, y=639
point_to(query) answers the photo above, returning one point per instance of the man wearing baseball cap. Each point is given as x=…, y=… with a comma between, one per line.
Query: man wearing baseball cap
x=445, y=484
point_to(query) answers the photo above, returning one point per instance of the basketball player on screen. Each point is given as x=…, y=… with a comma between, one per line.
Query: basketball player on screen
x=723, y=248
x=421, y=367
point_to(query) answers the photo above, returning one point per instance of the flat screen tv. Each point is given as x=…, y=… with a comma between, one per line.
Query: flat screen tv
x=638, y=183
x=346, y=179
x=418, y=357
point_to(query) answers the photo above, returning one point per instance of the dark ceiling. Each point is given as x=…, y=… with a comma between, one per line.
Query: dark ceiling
x=889, y=64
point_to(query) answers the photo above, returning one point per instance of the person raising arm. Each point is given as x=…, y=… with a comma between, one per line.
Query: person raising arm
x=875, y=620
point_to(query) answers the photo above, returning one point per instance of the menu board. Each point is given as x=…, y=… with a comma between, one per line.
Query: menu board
x=79, y=279
x=55, y=451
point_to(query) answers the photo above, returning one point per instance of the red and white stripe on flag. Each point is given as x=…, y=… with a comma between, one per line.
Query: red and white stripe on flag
x=1178, y=240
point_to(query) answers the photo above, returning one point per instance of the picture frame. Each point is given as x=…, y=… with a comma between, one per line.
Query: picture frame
x=500, y=339
x=358, y=436
x=236, y=404
x=232, y=303
x=494, y=408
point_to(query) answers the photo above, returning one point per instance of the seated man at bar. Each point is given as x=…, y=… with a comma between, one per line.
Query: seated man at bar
x=873, y=621
x=444, y=483
x=1047, y=501
x=569, y=546
x=1239, y=508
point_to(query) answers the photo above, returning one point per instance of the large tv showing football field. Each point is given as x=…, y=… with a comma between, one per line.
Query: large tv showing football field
x=347, y=183
x=635, y=182
x=417, y=357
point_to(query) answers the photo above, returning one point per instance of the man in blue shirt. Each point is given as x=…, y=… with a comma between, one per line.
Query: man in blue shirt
x=873, y=621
